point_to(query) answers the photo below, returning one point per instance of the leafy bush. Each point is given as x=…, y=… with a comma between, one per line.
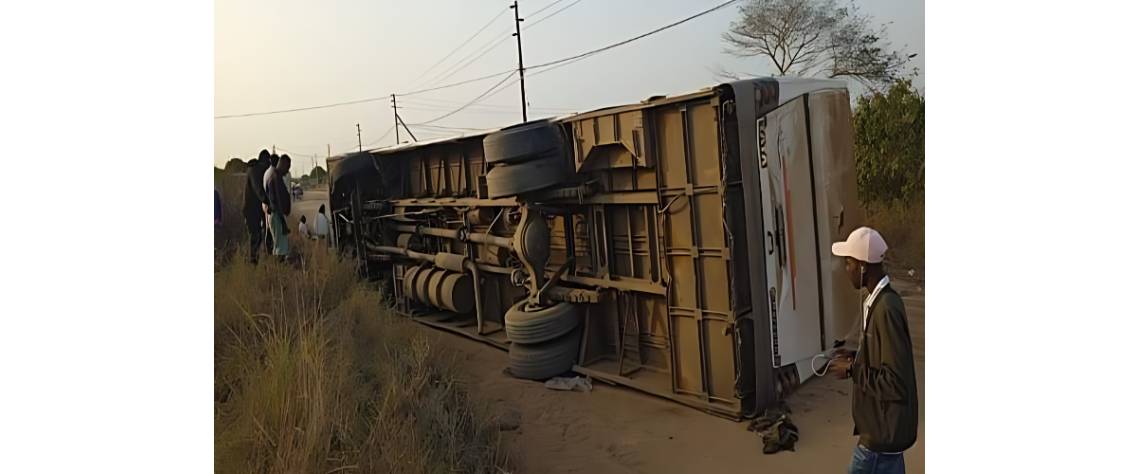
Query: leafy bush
x=890, y=139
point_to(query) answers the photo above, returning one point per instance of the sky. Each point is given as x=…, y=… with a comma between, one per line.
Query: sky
x=283, y=54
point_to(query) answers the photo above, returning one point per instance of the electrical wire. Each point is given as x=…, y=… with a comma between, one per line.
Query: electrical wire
x=825, y=366
x=299, y=109
x=540, y=20
x=488, y=47
x=385, y=135
x=468, y=81
x=487, y=108
x=549, y=64
x=500, y=107
x=635, y=38
x=471, y=58
x=566, y=61
x=548, y=5
x=462, y=44
x=464, y=106
x=439, y=103
x=442, y=127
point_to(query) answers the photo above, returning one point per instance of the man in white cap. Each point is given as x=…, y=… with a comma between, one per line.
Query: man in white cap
x=884, y=396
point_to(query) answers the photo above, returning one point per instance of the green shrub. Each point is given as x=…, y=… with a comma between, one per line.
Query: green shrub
x=890, y=145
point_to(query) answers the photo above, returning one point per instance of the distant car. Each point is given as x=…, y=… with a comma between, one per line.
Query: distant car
x=297, y=192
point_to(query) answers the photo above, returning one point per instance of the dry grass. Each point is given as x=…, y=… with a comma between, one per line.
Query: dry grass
x=904, y=228
x=311, y=375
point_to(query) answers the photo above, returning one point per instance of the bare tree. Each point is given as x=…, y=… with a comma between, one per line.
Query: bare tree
x=815, y=38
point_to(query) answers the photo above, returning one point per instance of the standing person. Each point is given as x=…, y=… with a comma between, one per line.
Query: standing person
x=255, y=202
x=884, y=396
x=321, y=224
x=279, y=206
x=273, y=160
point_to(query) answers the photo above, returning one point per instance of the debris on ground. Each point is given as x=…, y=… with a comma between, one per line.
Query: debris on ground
x=769, y=417
x=776, y=429
x=781, y=436
x=577, y=384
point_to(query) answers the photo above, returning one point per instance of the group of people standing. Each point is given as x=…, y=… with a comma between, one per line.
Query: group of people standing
x=268, y=202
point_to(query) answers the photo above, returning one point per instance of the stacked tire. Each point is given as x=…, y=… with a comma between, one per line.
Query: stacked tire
x=544, y=341
x=524, y=158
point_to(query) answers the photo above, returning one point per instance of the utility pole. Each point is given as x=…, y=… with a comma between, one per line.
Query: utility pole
x=518, y=38
x=359, y=147
x=274, y=149
x=395, y=119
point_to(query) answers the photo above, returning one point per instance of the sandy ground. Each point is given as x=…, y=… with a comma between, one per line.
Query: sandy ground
x=616, y=429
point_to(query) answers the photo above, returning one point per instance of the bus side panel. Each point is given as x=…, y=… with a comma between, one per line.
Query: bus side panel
x=839, y=210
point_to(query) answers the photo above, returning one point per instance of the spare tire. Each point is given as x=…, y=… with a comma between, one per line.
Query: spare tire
x=545, y=360
x=410, y=282
x=506, y=180
x=536, y=326
x=522, y=142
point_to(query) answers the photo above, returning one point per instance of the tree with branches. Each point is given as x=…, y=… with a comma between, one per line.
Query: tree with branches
x=815, y=38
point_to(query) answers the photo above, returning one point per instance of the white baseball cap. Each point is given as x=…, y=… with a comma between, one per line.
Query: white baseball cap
x=864, y=244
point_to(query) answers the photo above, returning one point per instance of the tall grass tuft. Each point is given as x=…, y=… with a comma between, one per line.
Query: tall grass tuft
x=312, y=375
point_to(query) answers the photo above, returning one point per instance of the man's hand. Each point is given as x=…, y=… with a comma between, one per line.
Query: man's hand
x=840, y=366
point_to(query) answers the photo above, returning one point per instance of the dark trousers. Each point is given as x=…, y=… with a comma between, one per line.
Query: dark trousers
x=865, y=461
x=256, y=228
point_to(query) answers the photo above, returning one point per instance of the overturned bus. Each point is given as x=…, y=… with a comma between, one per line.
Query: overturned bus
x=679, y=246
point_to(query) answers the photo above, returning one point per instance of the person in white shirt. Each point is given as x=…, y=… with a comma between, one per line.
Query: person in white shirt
x=303, y=229
x=321, y=229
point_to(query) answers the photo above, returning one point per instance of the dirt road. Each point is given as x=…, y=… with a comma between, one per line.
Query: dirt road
x=615, y=429
x=307, y=206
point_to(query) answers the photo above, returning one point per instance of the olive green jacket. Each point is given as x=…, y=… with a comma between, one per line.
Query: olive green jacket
x=884, y=398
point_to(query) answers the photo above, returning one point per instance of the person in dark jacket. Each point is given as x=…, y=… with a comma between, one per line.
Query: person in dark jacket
x=280, y=205
x=255, y=203
x=884, y=396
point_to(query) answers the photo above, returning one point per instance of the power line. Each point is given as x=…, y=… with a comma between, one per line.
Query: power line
x=560, y=10
x=461, y=45
x=635, y=38
x=551, y=65
x=417, y=102
x=548, y=5
x=361, y=101
x=469, y=60
x=385, y=135
x=481, y=51
x=442, y=127
x=468, y=81
x=480, y=108
x=489, y=76
x=299, y=109
x=464, y=106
